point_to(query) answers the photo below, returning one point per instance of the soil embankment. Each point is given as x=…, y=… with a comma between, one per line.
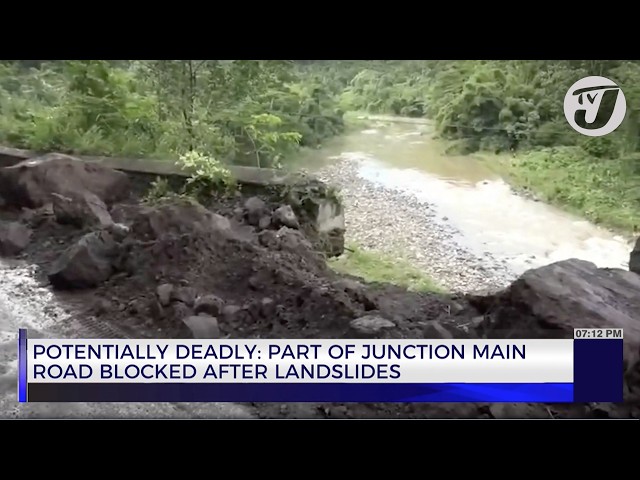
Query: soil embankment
x=250, y=266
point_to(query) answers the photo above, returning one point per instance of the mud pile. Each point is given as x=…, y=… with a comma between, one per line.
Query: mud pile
x=244, y=266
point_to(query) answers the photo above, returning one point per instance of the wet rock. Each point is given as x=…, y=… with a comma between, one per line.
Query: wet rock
x=186, y=295
x=370, y=326
x=164, y=292
x=264, y=222
x=203, y=326
x=634, y=258
x=255, y=208
x=14, y=238
x=30, y=183
x=209, y=304
x=85, y=264
x=285, y=217
x=80, y=210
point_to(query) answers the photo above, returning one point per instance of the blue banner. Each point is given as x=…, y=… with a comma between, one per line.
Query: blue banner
x=301, y=392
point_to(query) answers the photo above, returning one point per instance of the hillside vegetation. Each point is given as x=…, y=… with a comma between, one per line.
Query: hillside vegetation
x=261, y=112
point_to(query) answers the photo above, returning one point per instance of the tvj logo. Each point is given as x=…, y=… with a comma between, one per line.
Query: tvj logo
x=595, y=106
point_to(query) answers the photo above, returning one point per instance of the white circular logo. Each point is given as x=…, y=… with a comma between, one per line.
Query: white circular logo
x=595, y=106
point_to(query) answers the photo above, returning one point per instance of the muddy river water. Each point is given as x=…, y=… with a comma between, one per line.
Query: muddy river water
x=473, y=198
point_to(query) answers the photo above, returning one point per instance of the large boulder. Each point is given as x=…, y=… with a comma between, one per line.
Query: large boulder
x=87, y=263
x=80, y=210
x=14, y=237
x=634, y=258
x=551, y=301
x=177, y=218
x=30, y=183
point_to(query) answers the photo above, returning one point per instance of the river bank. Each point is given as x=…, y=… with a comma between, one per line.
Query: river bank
x=400, y=225
x=457, y=218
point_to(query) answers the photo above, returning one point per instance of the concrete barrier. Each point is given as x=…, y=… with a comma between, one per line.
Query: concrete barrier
x=246, y=175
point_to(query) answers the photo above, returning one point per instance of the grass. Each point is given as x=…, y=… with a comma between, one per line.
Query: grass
x=376, y=267
x=604, y=191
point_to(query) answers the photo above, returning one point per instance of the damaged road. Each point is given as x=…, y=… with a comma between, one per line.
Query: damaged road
x=246, y=266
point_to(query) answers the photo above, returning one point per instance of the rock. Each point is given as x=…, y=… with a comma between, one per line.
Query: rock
x=551, y=301
x=31, y=182
x=255, y=208
x=370, y=325
x=209, y=304
x=186, y=295
x=634, y=258
x=238, y=213
x=118, y=231
x=358, y=292
x=179, y=218
x=14, y=237
x=180, y=311
x=293, y=239
x=164, y=292
x=231, y=313
x=264, y=222
x=284, y=216
x=434, y=329
x=268, y=239
x=138, y=306
x=203, y=326
x=267, y=307
x=80, y=210
x=85, y=264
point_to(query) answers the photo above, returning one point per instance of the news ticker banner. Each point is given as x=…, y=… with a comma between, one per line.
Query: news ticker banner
x=587, y=368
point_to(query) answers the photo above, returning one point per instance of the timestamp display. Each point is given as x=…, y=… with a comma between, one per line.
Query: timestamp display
x=597, y=333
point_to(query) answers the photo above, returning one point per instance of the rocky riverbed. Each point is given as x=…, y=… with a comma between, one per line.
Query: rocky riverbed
x=402, y=226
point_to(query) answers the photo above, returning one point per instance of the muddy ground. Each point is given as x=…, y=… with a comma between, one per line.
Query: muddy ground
x=266, y=283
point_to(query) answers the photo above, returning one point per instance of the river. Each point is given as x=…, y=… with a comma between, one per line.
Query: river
x=483, y=214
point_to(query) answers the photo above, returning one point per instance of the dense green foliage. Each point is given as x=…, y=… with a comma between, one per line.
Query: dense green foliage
x=236, y=111
x=516, y=107
x=260, y=112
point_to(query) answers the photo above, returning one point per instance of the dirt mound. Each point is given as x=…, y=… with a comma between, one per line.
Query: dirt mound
x=30, y=183
x=272, y=283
